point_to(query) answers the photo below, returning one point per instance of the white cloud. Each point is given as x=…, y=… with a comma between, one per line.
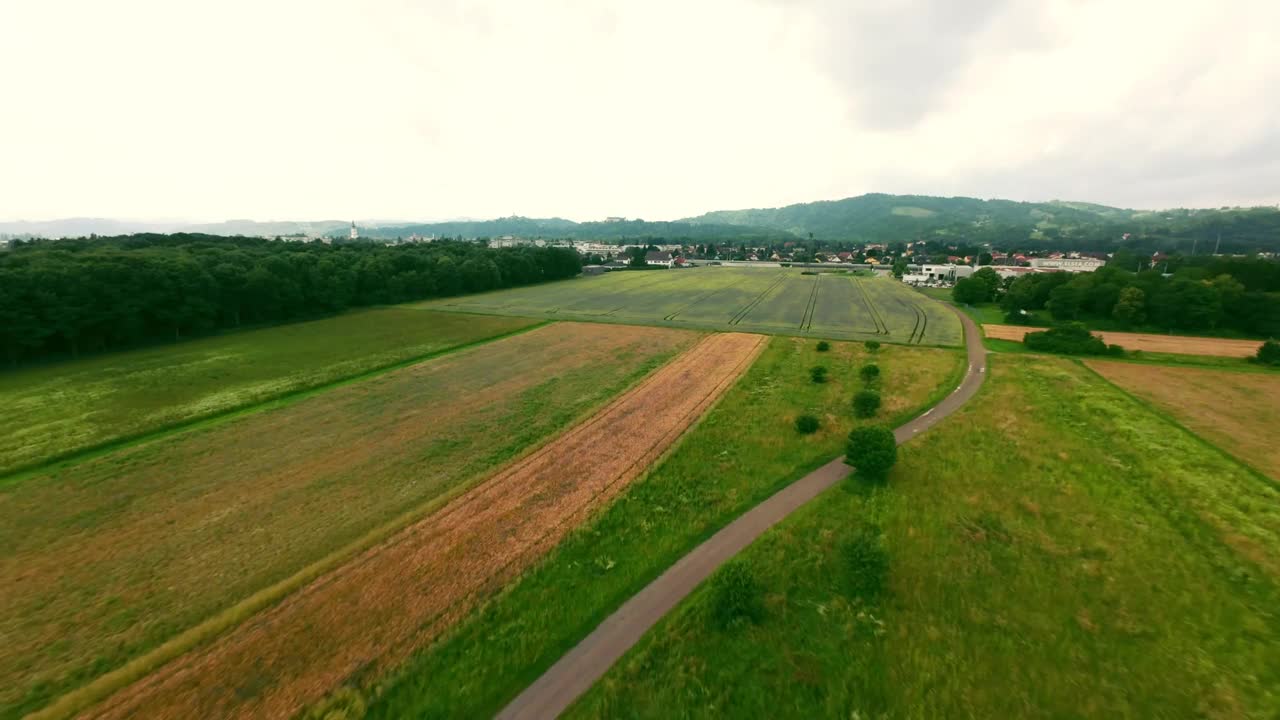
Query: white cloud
x=295, y=109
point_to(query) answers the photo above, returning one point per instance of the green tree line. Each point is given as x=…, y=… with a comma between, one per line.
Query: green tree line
x=67, y=297
x=1237, y=294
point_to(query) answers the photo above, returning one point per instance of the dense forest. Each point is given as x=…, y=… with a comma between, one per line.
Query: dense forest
x=622, y=231
x=73, y=296
x=1190, y=294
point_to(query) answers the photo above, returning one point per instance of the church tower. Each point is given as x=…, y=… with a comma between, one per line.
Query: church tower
x=354, y=234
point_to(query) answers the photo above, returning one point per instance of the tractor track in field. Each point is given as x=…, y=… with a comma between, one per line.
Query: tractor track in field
x=806, y=322
x=379, y=607
x=774, y=285
x=921, y=323
x=881, y=327
x=700, y=298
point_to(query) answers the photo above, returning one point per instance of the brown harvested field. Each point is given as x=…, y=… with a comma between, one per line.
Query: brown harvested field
x=1146, y=342
x=107, y=559
x=397, y=596
x=1238, y=412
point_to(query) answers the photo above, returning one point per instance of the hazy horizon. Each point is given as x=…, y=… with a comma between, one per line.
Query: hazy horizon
x=295, y=110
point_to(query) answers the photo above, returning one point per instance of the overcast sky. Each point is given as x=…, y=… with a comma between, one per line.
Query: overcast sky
x=276, y=109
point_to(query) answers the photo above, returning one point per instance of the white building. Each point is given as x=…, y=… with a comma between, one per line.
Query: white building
x=1069, y=264
x=355, y=235
x=937, y=274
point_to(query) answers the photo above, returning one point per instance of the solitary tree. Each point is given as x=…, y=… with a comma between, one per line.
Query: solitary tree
x=871, y=345
x=818, y=373
x=869, y=373
x=866, y=403
x=872, y=451
x=807, y=424
x=823, y=346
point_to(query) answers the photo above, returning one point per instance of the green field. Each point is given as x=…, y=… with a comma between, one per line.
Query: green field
x=59, y=409
x=1055, y=549
x=778, y=301
x=105, y=559
x=745, y=449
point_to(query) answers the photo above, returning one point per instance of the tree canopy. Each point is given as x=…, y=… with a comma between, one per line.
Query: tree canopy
x=73, y=296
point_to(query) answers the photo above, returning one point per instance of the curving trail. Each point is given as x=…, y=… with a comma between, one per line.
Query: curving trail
x=588, y=661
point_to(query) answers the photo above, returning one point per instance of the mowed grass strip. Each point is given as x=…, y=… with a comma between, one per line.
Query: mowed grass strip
x=1239, y=412
x=55, y=410
x=742, y=451
x=1055, y=549
x=107, y=559
x=768, y=300
x=398, y=595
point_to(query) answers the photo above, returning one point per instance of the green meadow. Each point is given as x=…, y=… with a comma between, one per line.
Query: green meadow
x=1054, y=549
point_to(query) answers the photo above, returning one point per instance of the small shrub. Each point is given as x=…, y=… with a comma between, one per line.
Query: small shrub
x=807, y=424
x=871, y=345
x=823, y=346
x=869, y=373
x=736, y=597
x=872, y=451
x=866, y=564
x=818, y=373
x=866, y=403
x=1268, y=354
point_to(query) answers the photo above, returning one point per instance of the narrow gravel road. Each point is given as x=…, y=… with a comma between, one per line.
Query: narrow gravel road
x=579, y=669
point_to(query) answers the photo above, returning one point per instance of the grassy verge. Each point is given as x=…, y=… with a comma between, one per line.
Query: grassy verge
x=123, y=561
x=740, y=453
x=1055, y=550
x=73, y=409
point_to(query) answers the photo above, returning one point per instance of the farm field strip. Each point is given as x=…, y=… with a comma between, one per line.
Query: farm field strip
x=1053, y=549
x=106, y=560
x=1238, y=412
x=70, y=408
x=775, y=301
x=399, y=595
x=1146, y=342
x=743, y=451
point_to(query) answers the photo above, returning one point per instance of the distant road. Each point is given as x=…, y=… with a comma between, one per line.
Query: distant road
x=587, y=662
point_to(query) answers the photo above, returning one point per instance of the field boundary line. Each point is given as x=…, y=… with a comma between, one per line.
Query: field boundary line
x=270, y=402
x=209, y=630
x=1169, y=418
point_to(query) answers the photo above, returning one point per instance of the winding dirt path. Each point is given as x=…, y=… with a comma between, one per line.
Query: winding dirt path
x=591, y=658
x=399, y=595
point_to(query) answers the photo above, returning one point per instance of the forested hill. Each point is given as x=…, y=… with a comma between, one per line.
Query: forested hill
x=1015, y=225
x=559, y=228
x=64, y=297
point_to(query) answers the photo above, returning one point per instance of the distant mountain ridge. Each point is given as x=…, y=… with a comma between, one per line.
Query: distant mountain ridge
x=874, y=217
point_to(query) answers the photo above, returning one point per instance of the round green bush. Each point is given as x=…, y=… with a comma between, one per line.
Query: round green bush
x=871, y=345
x=807, y=424
x=823, y=346
x=872, y=451
x=736, y=597
x=866, y=403
x=1268, y=353
x=869, y=373
x=818, y=373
